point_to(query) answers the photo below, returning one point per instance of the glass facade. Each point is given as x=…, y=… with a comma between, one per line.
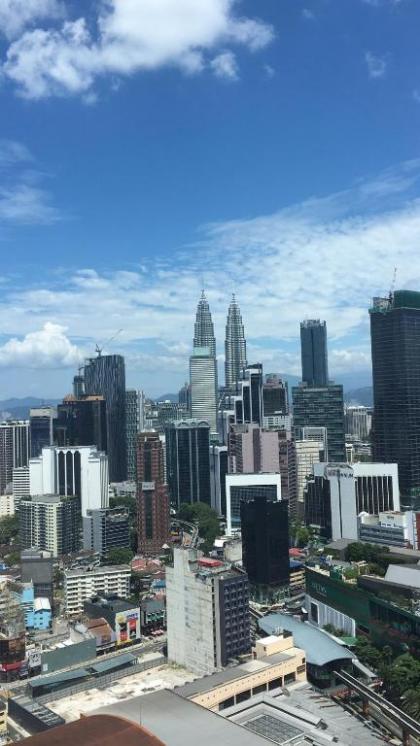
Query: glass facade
x=82, y=422
x=313, y=341
x=247, y=493
x=105, y=375
x=395, y=339
x=188, y=462
x=322, y=407
x=265, y=541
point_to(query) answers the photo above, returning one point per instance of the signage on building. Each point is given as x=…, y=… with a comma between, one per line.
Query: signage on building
x=127, y=626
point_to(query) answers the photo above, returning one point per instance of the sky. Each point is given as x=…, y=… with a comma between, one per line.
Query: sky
x=149, y=148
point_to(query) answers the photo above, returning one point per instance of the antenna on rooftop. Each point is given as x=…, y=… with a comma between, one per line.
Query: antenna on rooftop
x=99, y=347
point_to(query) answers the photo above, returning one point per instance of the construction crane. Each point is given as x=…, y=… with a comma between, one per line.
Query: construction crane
x=99, y=348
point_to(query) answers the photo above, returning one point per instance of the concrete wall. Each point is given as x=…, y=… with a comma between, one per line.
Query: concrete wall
x=80, y=652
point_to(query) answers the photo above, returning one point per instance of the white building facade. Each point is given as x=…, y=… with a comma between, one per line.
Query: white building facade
x=82, y=585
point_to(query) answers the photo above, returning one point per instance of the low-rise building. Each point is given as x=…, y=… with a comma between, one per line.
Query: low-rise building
x=80, y=585
x=394, y=528
x=123, y=618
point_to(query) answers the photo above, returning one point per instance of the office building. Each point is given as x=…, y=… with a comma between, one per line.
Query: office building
x=7, y=505
x=105, y=529
x=391, y=528
x=313, y=341
x=41, y=421
x=308, y=453
x=184, y=397
x=50, y=523
x=252, y=449
x=243, y=487
x=78, y=386
x=235, y=346
x=135, y=423
x=319, y=435
x=153, y=527
x=288, y=471
x=82, y=585
x=105, y=375
x=14, y=449
x=337, y=494
x=218, y=471
x=81, y=472
x=358, y=422
x=203, y=327
x=321, y=407
x=208, y=618
x=203, y=380
x=265, y=543
x=395, y=338
x=20, y=484
x=248, y=404
x=82, y=422
x=37, y=568
x=275, y=396
x=188, y=462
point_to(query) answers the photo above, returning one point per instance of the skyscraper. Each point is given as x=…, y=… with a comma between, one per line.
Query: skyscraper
x=203, y=327
x=395, y=338
x=203, y=377
x=41, y=428
x=82, y=422
x=152, y=495
x=265, y=542
x=105, y=375
x=188, y=462
x=134, y=405
x=313, y=340
x=321, y=407
x=14, y=449
x=235, y=346
x=50, y=522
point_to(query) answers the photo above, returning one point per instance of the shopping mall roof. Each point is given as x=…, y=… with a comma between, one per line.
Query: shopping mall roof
x=106, y=730
x=320, y=649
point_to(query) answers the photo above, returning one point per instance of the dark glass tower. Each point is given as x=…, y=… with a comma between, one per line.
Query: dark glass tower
x=188, y=462
x=82, y=422
x=105, y=375
x=313, y=341
x=395, y=338
x=265, y=541
x=235, y=346
x=321, y=407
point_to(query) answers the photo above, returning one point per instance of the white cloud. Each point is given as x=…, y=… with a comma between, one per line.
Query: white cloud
x=308, y=15
x=377, y=66
x=22, y=199
x=131, y=35
x=13, y=152
x=15, y=15
x=46, y=348
x=225, y=66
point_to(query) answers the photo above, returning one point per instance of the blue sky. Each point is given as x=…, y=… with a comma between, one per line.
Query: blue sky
x=150, y=146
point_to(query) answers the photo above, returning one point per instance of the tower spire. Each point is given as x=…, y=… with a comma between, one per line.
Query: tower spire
x=235, y=345
x=203, y=327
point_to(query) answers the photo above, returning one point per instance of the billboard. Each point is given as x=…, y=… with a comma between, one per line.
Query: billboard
x=127, y=626
x=12, y=652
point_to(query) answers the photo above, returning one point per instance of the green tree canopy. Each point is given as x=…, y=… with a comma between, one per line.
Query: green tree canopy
x=9, y=528
x=120, y=556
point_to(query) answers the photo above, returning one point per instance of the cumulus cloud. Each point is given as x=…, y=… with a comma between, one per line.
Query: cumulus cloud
x=129, y=35
x=15, y=15
x=377, y=66
x=225, y=66
x=12, y=152
x=46, y=348
x=308, y=15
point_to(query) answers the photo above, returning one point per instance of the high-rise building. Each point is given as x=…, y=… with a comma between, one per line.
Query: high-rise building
x=81, y=585
x=203, y=327
x=288, y=471
x=14, y=449
x=203, y=378
x=240, y=487
x=105, y=375
x=134, y=405
x=313, y=340
x=218, y=471
x=358, y=422
x=105, y=529
x=308, y=453
x=20, y=482
x=41, y=428
x=265, y=542
x=50, y=523
x=188, y=462
x=395, y=338
x=80, y=472
x=248, y=403
x=275, y=397
x=184, y=397
x=315, y=406
x=82, y=422
x=252, y=449
x=152, y=495
x=235, y=346
x=208, y=617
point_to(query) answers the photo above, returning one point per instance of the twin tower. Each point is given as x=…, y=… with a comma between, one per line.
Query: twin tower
x=203, y=362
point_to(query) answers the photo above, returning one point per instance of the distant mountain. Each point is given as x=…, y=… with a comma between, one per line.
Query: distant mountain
x=362, y=396
x=18, y=409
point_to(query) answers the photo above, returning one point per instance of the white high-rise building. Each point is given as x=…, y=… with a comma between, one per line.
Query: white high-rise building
x=308, y=453
x=203, y=378
x=14, y=449
x=81, y=585
x=72, y=470
x=20, y=482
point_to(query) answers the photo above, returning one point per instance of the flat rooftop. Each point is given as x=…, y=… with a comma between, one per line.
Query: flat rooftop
x=104, y=570
x=320, y=649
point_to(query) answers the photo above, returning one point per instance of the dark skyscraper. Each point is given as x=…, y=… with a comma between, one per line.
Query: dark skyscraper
x=235, y=346
x=321, y=407
x=152, y=495
x=395, y=337
x=82, y=422
x=275, y=396
x=188, y=462
x=265, y=541
x=41, y=428
x=105, y=375
x=313, y=340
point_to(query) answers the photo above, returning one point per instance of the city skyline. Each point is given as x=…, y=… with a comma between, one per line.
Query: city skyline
x=220, y=156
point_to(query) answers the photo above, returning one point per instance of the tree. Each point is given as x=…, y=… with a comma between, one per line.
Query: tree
x=206, y=520
x=120, y=556
x=355, y=552
x=9, y=528
x=402, y=675
x=125, y=501
x=411, y=702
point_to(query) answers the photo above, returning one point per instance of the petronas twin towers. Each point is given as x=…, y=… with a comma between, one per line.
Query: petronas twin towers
x=203, y=364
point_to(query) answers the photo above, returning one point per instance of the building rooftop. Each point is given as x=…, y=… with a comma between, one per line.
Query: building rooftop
x=179, y=722
x=104, y=570
x=111, y=603
x=106, y=730
x=407, y=575
x=320, y=649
